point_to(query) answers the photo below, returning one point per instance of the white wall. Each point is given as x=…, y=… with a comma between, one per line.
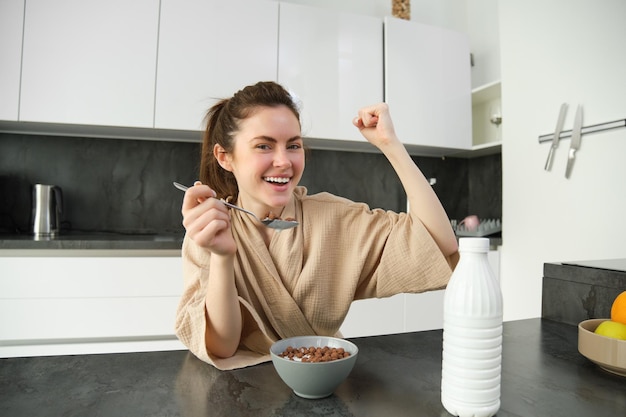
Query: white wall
x=450, y=14
x=552, y=52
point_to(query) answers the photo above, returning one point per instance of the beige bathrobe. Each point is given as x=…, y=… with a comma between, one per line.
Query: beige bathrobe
x=304, y=282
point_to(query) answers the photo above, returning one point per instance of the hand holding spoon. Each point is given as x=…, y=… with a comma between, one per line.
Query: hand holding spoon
x=278, y=224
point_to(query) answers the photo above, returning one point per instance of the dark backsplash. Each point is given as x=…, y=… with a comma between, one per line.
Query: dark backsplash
x=485, y=187
x=125, y=186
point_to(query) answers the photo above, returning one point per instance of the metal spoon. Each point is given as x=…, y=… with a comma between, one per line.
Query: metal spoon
x=277, y=224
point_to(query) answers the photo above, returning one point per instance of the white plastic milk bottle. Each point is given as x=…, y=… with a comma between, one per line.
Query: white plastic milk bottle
x=472, y=335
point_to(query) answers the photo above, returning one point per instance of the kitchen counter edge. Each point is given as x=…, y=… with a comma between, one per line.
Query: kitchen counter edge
x=98, y=253
x=96, y=244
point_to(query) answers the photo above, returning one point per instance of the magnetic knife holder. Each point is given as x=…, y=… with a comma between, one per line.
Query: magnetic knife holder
x=600, y=127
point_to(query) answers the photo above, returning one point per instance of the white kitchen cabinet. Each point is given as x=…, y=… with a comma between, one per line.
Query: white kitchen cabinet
x=333, y=62
x=427, y=84
x=70, y=305
x=487, y=118
x=375, y=316
x=89, y=62
x=11, y=23
x=400, y=313
x=483, y=30
x=208, y=50
x=484, y=34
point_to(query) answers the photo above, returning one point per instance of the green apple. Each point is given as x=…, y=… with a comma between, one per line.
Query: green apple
x=612, y=329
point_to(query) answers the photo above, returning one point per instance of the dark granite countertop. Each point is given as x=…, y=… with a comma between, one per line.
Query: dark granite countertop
x=395, y=375
x=112, y=241
x=95, y=240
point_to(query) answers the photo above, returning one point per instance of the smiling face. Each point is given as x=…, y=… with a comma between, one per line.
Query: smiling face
x=267, y=159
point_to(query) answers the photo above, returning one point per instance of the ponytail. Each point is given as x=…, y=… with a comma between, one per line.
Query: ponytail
x=223, y=182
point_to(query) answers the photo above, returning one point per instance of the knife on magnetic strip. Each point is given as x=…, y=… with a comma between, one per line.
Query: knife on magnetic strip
x=575, y=144
x=557, y=134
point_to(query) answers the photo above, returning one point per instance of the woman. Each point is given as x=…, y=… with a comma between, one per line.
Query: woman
x=246, y=285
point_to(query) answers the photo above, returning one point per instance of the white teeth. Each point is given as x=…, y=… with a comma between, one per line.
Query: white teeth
x=280, y=180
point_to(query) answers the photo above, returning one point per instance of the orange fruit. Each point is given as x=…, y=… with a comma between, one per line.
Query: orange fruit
x=618, y=309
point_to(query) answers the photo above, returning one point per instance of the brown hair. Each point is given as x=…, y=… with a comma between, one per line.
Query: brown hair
x=222, y=123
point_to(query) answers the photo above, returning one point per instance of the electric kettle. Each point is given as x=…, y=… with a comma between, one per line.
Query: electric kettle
x=47, y=209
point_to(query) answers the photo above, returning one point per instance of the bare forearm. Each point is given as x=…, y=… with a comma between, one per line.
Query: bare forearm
x=224, y=324
x=424, y=203
x=375, y=124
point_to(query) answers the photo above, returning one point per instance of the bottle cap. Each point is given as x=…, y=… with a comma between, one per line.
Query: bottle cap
x=473, y=244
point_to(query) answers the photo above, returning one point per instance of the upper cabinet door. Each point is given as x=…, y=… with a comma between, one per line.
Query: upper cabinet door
x=427, y=84
x=90, y=62
x=11, y=23
x=208, y=50
x=333, y=63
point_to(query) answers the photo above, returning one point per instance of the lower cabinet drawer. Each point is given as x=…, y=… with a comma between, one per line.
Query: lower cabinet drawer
x=53, y=306
x=80, y=318
x=398, y=314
